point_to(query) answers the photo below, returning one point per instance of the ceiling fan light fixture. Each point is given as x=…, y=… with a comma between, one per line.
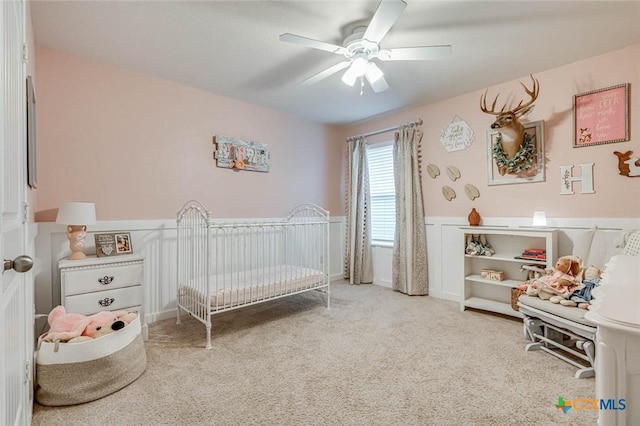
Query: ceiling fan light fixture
x=359, y=65
x=373, y=73
x=363, y=45
x=349, y=77
x=357, y=69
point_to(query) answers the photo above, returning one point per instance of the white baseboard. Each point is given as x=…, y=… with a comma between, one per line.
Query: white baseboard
x=383, y=283
x=159, y=316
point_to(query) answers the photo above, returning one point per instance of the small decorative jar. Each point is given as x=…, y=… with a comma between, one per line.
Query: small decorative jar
x=474, y=217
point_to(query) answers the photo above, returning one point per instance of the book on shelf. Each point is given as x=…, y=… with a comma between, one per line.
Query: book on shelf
x=533, y=254
x=534, y=250
x=536, y=257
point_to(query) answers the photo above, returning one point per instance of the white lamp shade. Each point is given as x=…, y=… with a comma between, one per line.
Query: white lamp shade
x=373, y=72
x=359, y=66
x=76, y=213
x=539, y=219
x=349, y=77
x=356, y=69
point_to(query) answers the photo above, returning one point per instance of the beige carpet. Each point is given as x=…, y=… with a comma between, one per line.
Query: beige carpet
x=376, y=358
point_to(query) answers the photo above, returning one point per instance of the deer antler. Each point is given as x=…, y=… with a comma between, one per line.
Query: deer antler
x=533, y=94
x=483, y=104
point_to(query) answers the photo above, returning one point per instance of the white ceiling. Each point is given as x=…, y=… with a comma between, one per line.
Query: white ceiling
x=232, y=48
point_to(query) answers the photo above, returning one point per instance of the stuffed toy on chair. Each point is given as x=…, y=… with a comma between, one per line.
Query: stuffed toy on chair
x=561, y=281
x=582, y=297
x=65, y=327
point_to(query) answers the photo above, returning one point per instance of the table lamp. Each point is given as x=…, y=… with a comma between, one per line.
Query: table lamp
x=539, y=219
x=76, y=215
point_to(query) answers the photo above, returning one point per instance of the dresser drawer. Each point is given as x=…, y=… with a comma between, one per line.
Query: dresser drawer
x=109, y=300
x=81, y=281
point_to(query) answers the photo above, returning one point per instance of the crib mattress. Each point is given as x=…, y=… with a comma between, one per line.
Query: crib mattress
x=237, y=288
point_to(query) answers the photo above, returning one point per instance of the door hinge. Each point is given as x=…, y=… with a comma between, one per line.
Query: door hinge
x=27, y=377
x=25, y=52
x=25, y=212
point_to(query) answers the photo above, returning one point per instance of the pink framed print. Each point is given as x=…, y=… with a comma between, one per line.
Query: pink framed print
x=601, y=116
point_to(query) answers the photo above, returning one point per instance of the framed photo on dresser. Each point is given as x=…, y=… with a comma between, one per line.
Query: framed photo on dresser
x=113, y=244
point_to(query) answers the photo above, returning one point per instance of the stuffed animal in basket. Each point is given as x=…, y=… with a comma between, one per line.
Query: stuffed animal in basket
x=65, y=327
x=562, y=280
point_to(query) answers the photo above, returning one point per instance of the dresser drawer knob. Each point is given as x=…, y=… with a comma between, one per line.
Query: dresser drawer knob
x=106, y=301
x=106, y=280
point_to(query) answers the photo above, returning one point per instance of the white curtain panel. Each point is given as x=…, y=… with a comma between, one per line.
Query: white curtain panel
x=358, y=264
x=410, y=245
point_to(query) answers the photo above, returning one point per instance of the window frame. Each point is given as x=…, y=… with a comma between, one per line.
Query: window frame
x=377, y=241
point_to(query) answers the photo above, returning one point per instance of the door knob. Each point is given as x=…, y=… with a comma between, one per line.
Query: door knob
x=19, y=264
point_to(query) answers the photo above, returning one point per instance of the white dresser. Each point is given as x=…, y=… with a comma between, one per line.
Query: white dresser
x=615, y=311
x=99, y=284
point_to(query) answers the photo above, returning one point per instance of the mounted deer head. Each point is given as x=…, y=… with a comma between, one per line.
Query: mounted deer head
x=509, y=126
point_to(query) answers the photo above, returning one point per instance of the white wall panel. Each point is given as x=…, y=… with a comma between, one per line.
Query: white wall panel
x=382, y=266
x=156, y=241
x=445, y=248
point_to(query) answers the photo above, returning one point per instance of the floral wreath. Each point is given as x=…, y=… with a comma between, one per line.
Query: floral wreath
x=523, y=159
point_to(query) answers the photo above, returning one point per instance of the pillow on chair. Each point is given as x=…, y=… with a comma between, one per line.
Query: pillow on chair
x=632, y=243
x=605, y=245
x=582, y=244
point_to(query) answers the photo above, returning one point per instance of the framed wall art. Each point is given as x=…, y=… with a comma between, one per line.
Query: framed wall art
x=239, y=154
x=601, y=116
x=113, y=244
x=531, y=169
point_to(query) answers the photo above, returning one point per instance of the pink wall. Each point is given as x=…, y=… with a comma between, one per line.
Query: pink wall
x=140, y=147
x=615, y=196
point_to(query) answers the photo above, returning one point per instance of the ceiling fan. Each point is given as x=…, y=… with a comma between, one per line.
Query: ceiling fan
x=363, y=46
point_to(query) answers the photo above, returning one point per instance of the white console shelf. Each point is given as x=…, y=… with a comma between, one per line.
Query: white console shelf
x=508, y=243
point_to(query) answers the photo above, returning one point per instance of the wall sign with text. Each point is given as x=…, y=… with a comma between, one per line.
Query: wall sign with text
x=239, y=154
x=457, y=136
x=601, y=116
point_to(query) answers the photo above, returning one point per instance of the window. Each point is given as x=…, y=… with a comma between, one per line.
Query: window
x=382, y=191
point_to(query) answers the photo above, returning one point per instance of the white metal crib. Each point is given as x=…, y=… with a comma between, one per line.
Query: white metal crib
x=225, y=266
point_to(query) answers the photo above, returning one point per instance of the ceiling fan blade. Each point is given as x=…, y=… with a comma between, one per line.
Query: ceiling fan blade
x=379, y=85
x=304, y=41
x=386, y=15
x=419, y=53
x=326, y=73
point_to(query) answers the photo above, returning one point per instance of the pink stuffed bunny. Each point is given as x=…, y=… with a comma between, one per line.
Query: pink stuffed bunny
x=65, y=326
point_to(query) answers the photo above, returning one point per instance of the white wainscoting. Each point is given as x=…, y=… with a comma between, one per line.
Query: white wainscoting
x=156, y=241
x=445, y=246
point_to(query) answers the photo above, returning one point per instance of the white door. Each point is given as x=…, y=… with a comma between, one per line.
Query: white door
x=16, y=289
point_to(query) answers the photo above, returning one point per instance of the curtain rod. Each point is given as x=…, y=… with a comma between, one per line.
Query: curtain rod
x=388, y=129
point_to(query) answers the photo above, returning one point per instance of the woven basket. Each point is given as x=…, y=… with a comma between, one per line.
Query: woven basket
x=515, y=294
x=74, y=373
